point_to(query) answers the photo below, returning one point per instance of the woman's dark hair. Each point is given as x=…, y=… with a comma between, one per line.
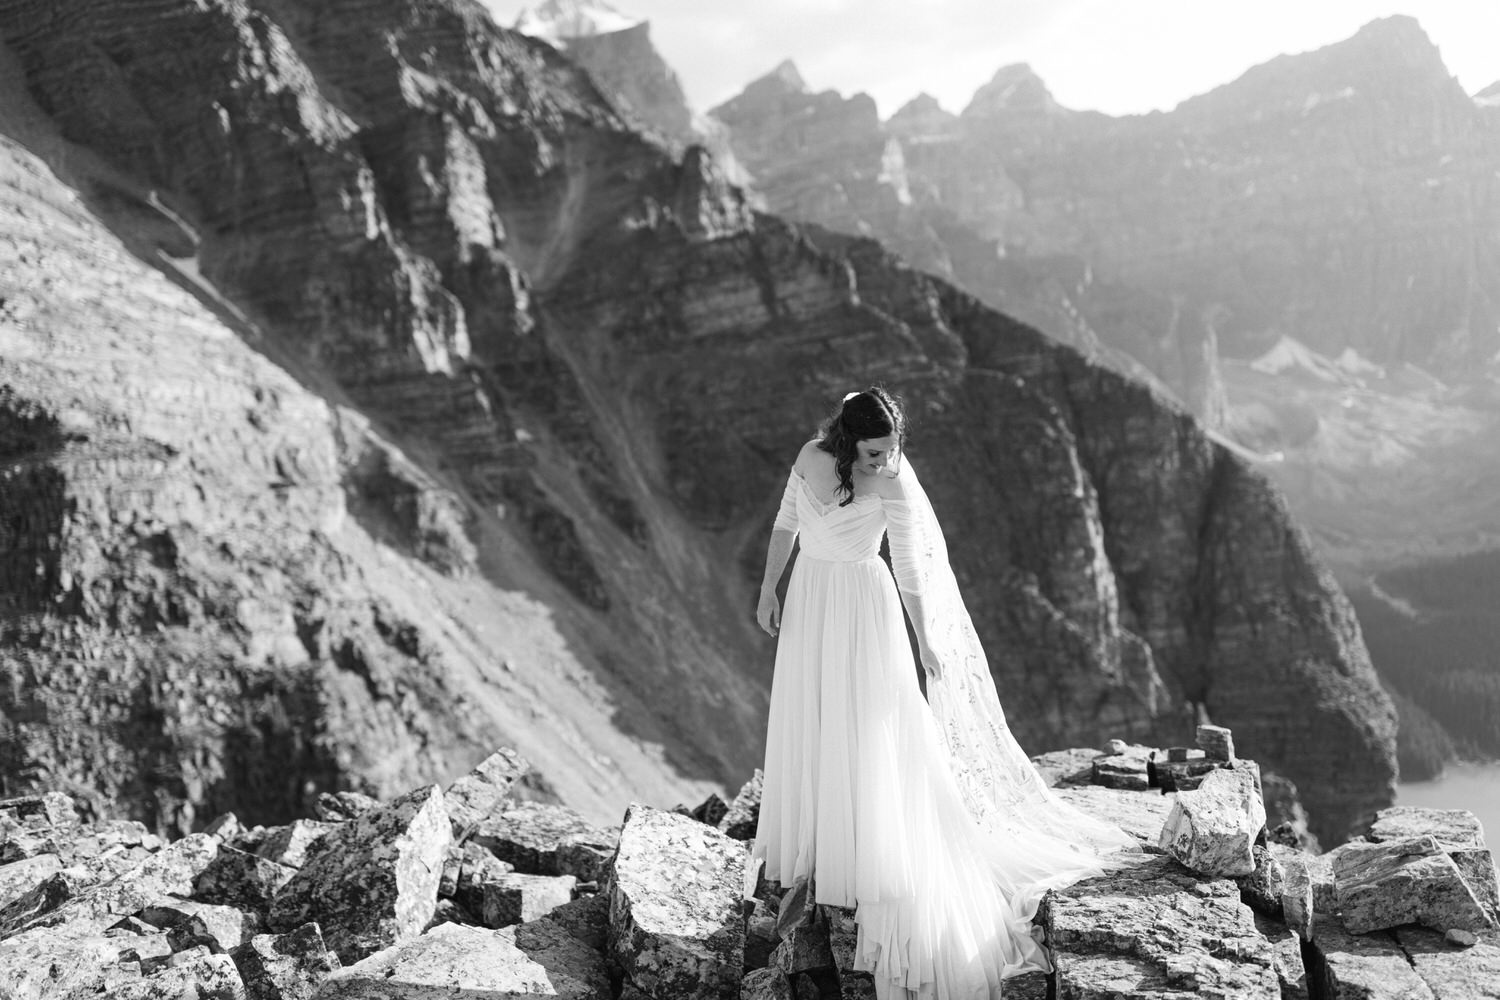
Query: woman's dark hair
x=873, y=413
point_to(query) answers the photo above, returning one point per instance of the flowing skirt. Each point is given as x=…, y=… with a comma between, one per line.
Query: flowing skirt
x=859, y=796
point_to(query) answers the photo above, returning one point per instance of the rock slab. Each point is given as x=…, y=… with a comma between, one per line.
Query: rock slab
x=375, y=883
x=1404, y=882
x=676, y=927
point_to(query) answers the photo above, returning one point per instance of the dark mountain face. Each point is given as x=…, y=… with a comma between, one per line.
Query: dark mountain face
x=385, y=397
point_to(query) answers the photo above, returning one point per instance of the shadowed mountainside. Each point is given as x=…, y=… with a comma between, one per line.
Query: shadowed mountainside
x=415, y=404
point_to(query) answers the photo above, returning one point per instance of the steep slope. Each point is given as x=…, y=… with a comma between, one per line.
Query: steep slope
x=535, y=385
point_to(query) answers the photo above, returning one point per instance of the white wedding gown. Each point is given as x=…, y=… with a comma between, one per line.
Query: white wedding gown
x=867, y=791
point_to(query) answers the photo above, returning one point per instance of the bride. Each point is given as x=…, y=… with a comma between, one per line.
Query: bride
x=924, y=815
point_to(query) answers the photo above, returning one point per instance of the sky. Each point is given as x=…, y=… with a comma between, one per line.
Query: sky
x=1116, y=56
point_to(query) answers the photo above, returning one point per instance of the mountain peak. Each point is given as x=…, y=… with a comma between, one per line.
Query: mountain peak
x=558, y=20
x=1016, y=87
x=786, y=76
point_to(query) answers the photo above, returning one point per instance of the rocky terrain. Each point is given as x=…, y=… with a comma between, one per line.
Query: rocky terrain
x=466, y=891
x=373, y=395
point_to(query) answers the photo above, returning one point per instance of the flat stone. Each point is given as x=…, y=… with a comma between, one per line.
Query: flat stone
x=513, y=898
x=539, y=959
x=1401, y=882
x=1179, y=755
x=1454, y=971
x=1066, y=767
x=1363, y=966
x=289, y=966
x=296, y=843
x=201, y=977
x=1450, y=827
x=241, y=879
x=1212, y=830
x=375, y=882
x=482, y=793
x=476, y=868
x=1477, y=866
x=1154, y=929
x=676, y=926
x=1122, y=771
x=1140, y=814
x=744, y=812
x=766, y=984
x=543, y=839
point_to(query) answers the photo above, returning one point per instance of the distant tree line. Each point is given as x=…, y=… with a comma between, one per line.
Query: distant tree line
x=1442, y=666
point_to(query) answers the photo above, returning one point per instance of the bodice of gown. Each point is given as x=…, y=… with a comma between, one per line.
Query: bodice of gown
x=829, y=532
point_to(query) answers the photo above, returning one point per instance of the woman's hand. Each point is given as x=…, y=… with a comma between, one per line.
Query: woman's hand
x=769, y=611
x=930, y=662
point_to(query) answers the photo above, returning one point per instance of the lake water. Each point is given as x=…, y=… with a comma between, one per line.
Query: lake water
x=1475, y=787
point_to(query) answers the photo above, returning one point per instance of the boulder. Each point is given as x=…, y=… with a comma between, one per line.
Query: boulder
x=1364, y=966
x=1153, y=928
x=200, y=977
x=375, y=883
x=1184, y=775
x=1402, y=882
x=1291, y=973
x=760, y=935
x=1449, y=827
x=481, y=794
x=239, y=878
x=1212, y=829
x=288, y=966
x=675, y=888
x=543, y=839
x=296, y=843
x=843, y=939
x=744, y=812
x=513, y=898
x=539, y=959
x=1469, y=972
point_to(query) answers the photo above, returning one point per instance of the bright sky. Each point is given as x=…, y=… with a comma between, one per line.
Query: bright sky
x=1117, y=56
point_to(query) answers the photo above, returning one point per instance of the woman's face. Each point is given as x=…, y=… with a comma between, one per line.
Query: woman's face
x=873, y=454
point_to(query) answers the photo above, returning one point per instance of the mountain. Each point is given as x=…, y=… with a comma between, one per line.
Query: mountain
x=374, y=394
x=823, y=158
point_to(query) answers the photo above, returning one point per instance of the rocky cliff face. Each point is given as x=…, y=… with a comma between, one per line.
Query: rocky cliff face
x=1345, y=197
x=914, y=184
x=372, y=393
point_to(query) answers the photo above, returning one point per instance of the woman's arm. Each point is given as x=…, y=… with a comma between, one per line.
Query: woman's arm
x=906, y=561
x=783, y=535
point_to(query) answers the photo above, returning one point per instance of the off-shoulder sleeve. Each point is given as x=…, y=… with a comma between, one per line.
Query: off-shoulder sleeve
x=786, y=517
x=911, y=548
